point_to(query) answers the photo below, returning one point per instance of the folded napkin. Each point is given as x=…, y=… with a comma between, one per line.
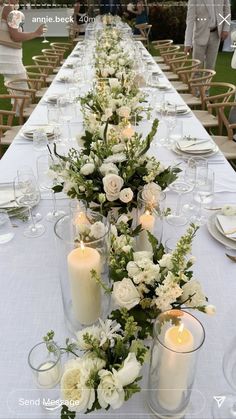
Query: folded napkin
x=195, y=145
x=228, y=225
x=49, y=130
x=7, y=198
x=181, y=108
x=163, y=86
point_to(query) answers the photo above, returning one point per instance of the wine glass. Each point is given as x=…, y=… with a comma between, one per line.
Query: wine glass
x=66, y=111
x=169, y=116
x=45, y=29
x=181, y=185
x=203, y=194
x=228, y=407
x=28, y=171
x=46, y=182
x=197, y=167
x=27, y=193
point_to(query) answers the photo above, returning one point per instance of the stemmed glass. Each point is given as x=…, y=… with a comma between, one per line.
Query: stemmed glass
x=28, y=171
x=45, y=29
x=27, y=193
x=66, y=108
x=181, y=185
x=228, y=407
x=169, y=115
x=203, y=194
x=197, y=168
x=46, y=183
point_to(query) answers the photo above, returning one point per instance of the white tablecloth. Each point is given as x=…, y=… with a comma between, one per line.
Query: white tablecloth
x=31, y=299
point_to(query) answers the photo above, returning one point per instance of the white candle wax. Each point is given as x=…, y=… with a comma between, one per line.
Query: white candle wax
x=147, y=222
x=49, y=377
x=174, y=366
x=85, y=291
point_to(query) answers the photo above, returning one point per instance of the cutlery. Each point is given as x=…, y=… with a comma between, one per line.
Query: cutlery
x=233, y=258
x=196, y=143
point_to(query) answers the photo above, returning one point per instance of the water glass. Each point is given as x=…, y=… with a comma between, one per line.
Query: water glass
x=176, y=133
x=40, y=140
x=203, y=194
x=6, y=229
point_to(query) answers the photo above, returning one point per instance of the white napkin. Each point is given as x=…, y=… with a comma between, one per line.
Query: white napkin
x=49, y=130
x=228, y=225
x=6, y=196
x=195, y=145
x=163, y=85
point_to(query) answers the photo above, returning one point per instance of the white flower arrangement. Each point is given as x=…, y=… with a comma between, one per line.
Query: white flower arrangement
x=146, y=284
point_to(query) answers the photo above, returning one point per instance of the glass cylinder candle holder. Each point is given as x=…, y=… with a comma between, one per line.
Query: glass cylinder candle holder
x=150, y=213
x=83, y=241
x=44, y=360
x=178, y=336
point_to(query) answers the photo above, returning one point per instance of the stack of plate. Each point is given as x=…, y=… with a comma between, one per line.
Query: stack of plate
x=195, y=147
x=28, y=132
x=52, y=99
x=223, y=229
x=180, y=109
x=163, y=86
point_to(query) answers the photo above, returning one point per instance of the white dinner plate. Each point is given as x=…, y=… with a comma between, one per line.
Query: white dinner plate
x=192, y=154
x=52, y=99
x=220, y=229
x=215, y=233
x=28, y=133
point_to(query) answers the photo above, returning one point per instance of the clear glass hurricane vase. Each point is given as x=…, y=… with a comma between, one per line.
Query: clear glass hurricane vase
x=83, y=268
x=178, y=336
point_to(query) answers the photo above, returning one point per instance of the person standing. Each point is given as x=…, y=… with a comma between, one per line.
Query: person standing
x=208, y=22
x=11, y=20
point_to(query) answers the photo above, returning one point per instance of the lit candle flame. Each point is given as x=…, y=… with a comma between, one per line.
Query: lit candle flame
x=82, y=245
x=147, y=212
x=180, y=331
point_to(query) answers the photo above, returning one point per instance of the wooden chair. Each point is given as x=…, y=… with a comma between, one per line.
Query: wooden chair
x=144, y=29
x=49, y=52
x=40, y=72
x=66, y=46
x=225, y=143
x=7, y=130
x=174, y=64
x=160, y=46
x=51, y=60
x=167, y=55
x=210, y=118
x=14, y=87
x=42, y=61
x=185, y=72
x=196, y=97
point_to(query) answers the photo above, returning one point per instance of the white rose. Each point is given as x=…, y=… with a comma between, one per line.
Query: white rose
x=123, y=219
x=112, y=184
x=94, y=331
x=73, y=386
x=124, y=111
x=130, y=370
x=229, y=210
x=87, y=169
x=107, y=168
x=97, y=230
x=126, y=195
x=151, y=192
x=193, y=288
x=110, y=390
x=142, y=254
x=210, y=309
x=125, y=294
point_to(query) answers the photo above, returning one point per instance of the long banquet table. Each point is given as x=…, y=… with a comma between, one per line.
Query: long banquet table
x=31, y=298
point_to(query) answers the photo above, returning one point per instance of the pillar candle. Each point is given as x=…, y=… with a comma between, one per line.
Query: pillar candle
x=85, y=291
x=147, y=222
x=49, y=377
x=174, y=366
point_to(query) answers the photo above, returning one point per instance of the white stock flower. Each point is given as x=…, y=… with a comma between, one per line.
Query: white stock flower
x=151, y=192
x=107, y=114
x=130, y=370
x=87, y=169
x=73, y=386
x=192, y=291
x=210, y=309
x=93, y=331
x=110, y=390
x=126, y=195
x=107, y=168
x=124, y=111
x=97, y=230
x=112, y=184
x=114, y=83
x=125, y=294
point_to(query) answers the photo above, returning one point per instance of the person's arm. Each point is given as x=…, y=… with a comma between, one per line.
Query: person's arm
x=226, y=26
x=15, y=34
x=190, y=20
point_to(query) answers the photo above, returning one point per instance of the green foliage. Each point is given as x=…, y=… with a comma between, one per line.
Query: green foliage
x=66, y=413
